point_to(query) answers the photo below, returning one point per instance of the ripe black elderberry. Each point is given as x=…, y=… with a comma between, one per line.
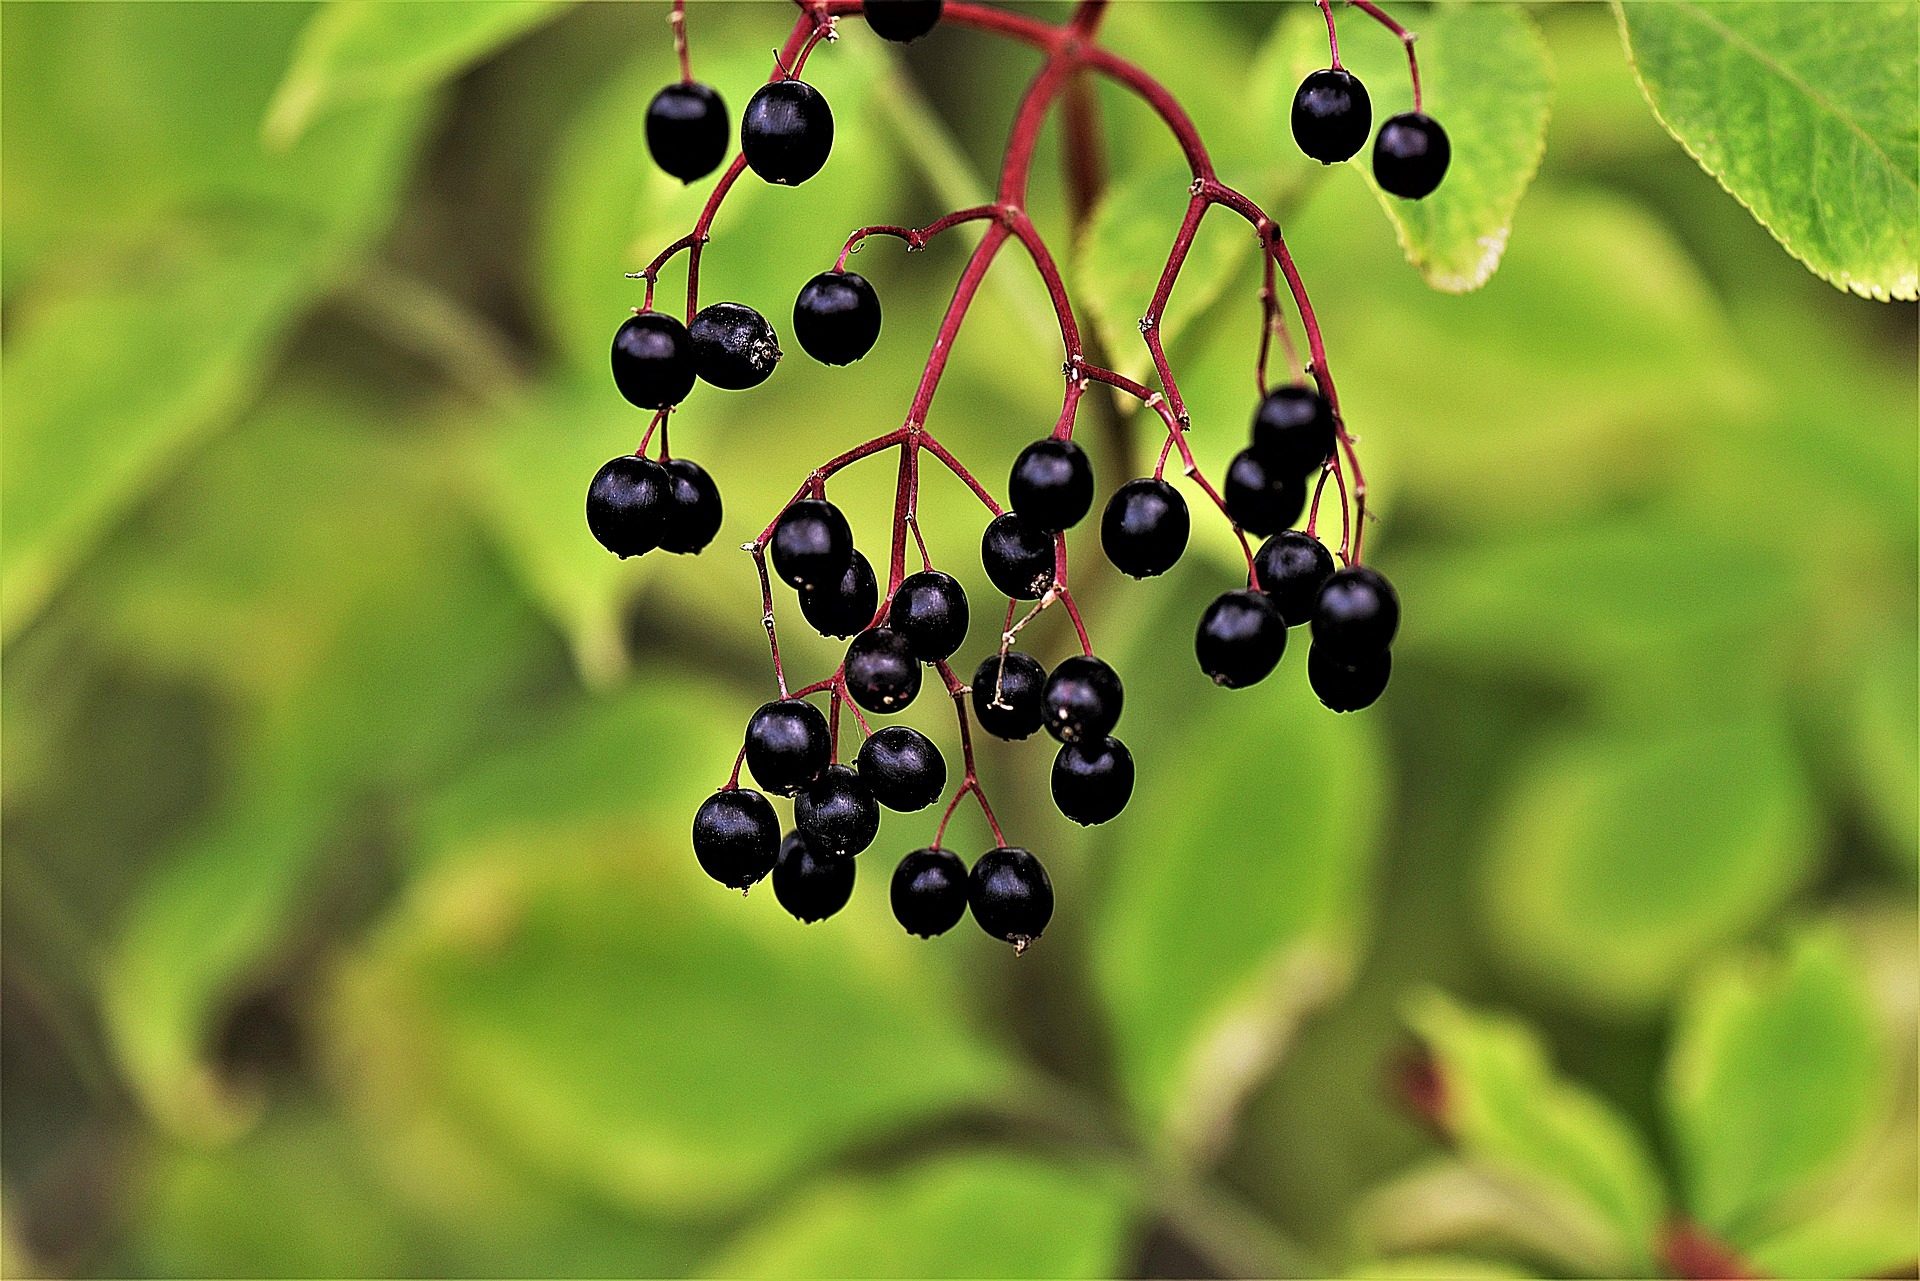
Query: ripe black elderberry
x=930, y=613
x=734, y=347
x=1347, y=683
x=838, y=811
x=881, y=674
x=902, y=768
x=1018, y=557
x=929, y=891
x=1082, y=699
x=1007, y=694
x=1240, y=640
x=786, y=132
x=1291, y=567
x=692, y=514
x=627, y=505
x=902, y=20
x=687, y=130
x=810, y=883
x=1293, y=430
x=1010, y=894
x=653, y=360
x=812, y=544
x=736, y=836
x=1144, y=529
x=837, y=317
x=845, y=607
x=1052, y=484
x=1357, y=613
x=1261, y=500
x=1331, y=115
x=1410, y=155
x=787, y=745
x=1092, y=780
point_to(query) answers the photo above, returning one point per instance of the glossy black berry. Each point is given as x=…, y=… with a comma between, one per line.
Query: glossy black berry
x=692, y=515
x=811, y=544
x=653, y=360
x=1331, y=115
x=881, y=674
x=809, y=882
x=1357, y=613
x=1291, y=567
x=1092, y=780
x=1081, y=700
x=1292, y=430
x=1262, y=501
x=786, y=132
x=1240, y=639
x=902, y=768
x=627, y=505
x=1347, y=683
x=929, y=891
x=838, y=811
x=736, y=836
x=687, y=130
x=1010, y=895
x=1052, y=485
x=846, y=607
x=787, y=745
x=1018, y=557
x=930, y=613
x=837, y=317
x=1144, y=529
x=902, y=20
x=1007, y=694
x=734, y=347
x=1410, y=155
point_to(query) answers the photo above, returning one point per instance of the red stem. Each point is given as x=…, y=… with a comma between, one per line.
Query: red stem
x=1406, y=39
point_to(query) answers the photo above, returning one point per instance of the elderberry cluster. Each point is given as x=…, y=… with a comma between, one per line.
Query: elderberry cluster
x=1332, y=115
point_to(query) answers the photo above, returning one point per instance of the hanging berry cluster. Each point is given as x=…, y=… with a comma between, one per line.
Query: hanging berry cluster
x=1298, y=441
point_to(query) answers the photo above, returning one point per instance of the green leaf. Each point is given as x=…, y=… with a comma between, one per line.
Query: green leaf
x=1807, y=115
x=968, y=1214
x=1434, y=1267
x=1505, y=1107
x=1885, y=745
x=361, y=50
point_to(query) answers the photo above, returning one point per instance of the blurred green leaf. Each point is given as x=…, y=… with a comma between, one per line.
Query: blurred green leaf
x=968, y=1214
x=1848, y=1242
x=1821, y=144
x=1885, y=743
x=1434, y=1267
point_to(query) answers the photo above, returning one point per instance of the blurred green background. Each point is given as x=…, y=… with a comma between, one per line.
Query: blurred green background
x=350, y=925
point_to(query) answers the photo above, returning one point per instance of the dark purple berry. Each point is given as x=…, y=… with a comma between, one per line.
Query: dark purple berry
x=1357, y=613
x=902, y=768
x=687, y=130
x=1092, y=780
x=1144, y=529
x=810, y=883
x=1052, y=484
x=693, y=509
x=1010, y=895
x=929, y=891
x=653, y=360
x=881, y=674
x=1292, y=431
x=736, y=836
x=1291, y=567
x=788, y=744
x=811, y=544
x=1332, y=115
x=627, y=505
x=1082, y=699
x=786, y=132
x=837, y=317
x=1240, y=639
x=1348, y=683
x=902, y=20
x=1018, y=557
x=734, y=347
x=930, y=613
x=1007, y=694
x=838, y=811
x=1410, y=155
x=846, y=607
x=1259, y=500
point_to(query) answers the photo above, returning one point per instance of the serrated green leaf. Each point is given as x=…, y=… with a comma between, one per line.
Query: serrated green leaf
x=1807, y=115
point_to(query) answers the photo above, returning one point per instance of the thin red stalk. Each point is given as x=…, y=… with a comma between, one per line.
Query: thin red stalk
x=679, y=21
x=916, y=238
x=1333, y=37
x=971, y=783
x=659, y=417
x=1406, y=39
x=759, y=550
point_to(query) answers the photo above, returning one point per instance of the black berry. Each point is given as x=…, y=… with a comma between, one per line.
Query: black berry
x=1262, y=501
x=627, y=505
x=902, y=768
x=929, y=891
x=786, y=132
x=1010, y=895
x=1331, y=115
x=1018, y=557
x=687, y=130
x=845, y=607
x=810, y=883
x=693, y=512
x=1082, y=699
x=1291, y=567
x=1240, y=639
x=1410, y=155
x=930, y=613
x=787, y=745
x=838, y=811
x=1347, y=683
x=837, y=317
x=736, y=836
x=881, y=674
x=734, y=347
x=902, y=20
x=1092, y=780
x=1007, y=693
x=1292, y=430
x=1052, y=484
x=1144, y=529
x=1357, y=613
x=653, y=360
x=811, y=544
